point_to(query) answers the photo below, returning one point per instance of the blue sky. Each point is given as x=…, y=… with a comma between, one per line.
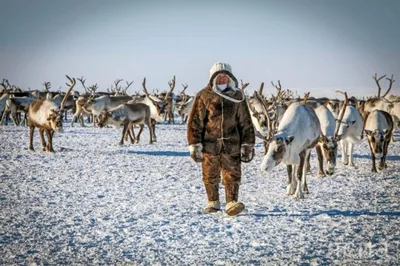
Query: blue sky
x=310, y=45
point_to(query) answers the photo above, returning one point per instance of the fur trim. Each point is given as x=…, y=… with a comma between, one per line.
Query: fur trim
x=214, y=204
x=196, y=148
x=231, y=204
x=219, y=66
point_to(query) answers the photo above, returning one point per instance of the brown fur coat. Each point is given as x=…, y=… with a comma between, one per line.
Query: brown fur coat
x=218, y=123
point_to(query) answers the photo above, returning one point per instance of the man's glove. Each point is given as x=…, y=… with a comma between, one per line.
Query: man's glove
x=196, y=152
x=246, y=153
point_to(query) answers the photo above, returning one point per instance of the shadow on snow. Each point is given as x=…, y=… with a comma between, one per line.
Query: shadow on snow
x=161, y=153
x=329, y=213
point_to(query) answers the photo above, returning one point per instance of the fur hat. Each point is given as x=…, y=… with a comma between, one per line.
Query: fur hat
x=220, y=67
x=225, y=68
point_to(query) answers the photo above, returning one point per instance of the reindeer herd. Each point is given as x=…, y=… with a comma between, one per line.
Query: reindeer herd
x=289, y=126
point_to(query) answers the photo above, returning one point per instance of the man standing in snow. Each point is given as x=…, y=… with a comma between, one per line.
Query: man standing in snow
x=221, y=136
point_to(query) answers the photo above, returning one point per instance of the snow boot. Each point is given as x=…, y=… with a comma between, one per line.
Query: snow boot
x=213, y=198
x=233, y=206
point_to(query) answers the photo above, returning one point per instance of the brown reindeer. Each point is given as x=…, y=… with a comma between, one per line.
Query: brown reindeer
x=46, y=115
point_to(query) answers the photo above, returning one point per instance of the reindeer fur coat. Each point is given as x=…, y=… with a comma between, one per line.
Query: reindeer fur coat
x=218, y=123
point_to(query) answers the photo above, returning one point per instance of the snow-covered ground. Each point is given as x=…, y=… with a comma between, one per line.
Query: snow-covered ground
x=94, y=202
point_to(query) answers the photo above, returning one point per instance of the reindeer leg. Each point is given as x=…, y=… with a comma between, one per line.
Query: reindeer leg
x=41, y=131
x=49, y=134
x=126, y=135
x=307, y=162
x=304, y=173
x=132, y=133
x=31, y=131
x=321, y=172
x=299, y=191
x=293, y=185
x=153, y=122
x=382, y=164
x=151, y=131
x=343, y=143
x=126, y=125
x=289, y=184
x=172, y=118
x=140, y=133
x=373, y=170
x=265, y=147
x=351, y=150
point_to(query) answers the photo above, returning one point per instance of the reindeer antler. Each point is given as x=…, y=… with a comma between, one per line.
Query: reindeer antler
x=128, y=84
x=260, y=90
x=171, y=88
x=145, y=91
x=4, y=83
x=83, y=83
x=306, y=96
x=346, y=100
x=184, y=88
x=71, y=86
x=391, y=80
x=47, y=86
x=377, y=83
x=117, y=89
x=243, y=85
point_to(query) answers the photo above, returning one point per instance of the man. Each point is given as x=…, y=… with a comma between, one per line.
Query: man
x=221, y=135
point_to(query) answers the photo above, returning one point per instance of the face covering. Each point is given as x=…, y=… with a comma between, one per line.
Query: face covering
x=222, y=86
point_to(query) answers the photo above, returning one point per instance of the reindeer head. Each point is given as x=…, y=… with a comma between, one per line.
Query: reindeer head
x=181, y=108
x=377, y=139
x=103, y=118
x=55, y=120
x=343, y=127
x=276, y=151
x=329, y=150
x=89, y=103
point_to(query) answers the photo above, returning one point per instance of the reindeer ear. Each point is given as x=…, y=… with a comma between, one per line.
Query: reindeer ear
x=338, y=137
x=289, y=140
x=368, y=132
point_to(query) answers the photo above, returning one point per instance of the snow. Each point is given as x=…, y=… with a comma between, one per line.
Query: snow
x=94, y=202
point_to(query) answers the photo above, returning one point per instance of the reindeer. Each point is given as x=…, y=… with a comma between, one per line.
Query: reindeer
x=169, y=102
x=96, y=105
x=155, y=110
x=80, y=102
x=15, y=105
x=128, y=115
x=327, y=145
x=379, y=103
x=296, y=135
x=46, y=115
x=379, y=128
x=348, y=130
x=184, y=108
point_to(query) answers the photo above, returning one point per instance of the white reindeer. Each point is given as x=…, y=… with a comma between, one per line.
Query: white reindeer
x=297, y=134
x=128, y=115
x=349, y=128
x=327, y=145
x=379, y=128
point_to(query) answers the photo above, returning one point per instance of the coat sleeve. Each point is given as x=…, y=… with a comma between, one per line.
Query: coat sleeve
x=195, y=128
x=245, y=125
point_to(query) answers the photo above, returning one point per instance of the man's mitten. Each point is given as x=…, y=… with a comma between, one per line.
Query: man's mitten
x=195, y=152
x=246, y=153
